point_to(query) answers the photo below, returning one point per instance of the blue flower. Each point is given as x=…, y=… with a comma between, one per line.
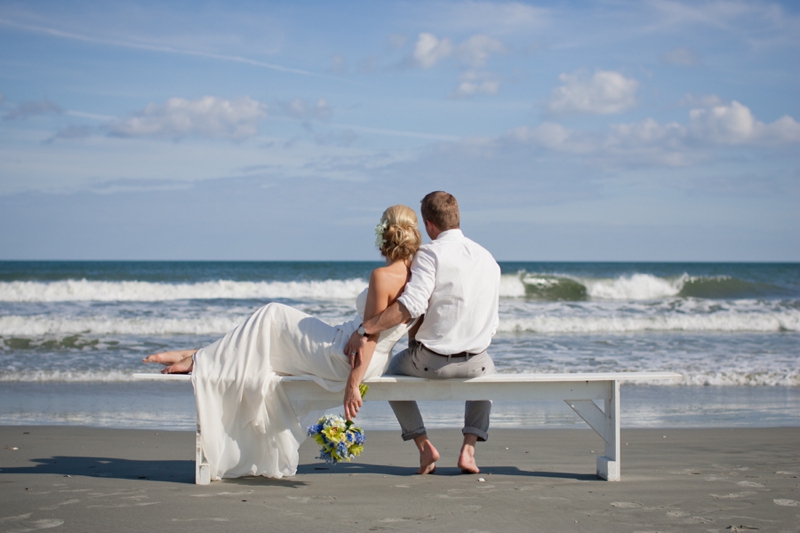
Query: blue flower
x=338, y=439
x=327, y=457
x=313, y=429
x=342, y=450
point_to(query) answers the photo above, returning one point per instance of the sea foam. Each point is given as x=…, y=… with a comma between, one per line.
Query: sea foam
x=788, y=320
x=691, y=377
x=142, y=291
x=517, y=285
x=511, y=321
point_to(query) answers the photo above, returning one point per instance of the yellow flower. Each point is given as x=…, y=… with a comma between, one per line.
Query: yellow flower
x=356, y=449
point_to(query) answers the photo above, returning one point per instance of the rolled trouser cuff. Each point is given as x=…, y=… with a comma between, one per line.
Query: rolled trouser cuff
x=470, y=430
x=414, y=434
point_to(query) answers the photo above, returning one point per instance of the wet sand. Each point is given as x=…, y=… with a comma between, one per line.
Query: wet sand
x=87, y=479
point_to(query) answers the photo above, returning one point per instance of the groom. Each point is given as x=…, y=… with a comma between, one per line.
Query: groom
x=454, y=289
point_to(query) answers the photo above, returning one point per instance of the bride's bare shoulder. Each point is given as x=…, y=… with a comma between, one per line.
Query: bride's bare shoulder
x=391, y=278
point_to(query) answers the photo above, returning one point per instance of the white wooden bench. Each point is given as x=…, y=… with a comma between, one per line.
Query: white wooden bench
x=578, y=390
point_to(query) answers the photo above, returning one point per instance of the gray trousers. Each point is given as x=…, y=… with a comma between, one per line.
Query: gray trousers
x=420, y=362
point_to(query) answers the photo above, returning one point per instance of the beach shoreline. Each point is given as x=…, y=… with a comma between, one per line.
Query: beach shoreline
x=138, y=405
x=82, y=478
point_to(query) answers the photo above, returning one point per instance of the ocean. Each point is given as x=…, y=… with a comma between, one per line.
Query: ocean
x=73, y=333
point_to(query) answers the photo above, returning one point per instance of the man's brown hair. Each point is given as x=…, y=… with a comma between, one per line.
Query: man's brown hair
x=441, y=209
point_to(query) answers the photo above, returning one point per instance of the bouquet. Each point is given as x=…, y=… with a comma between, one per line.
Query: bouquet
x=339, y=439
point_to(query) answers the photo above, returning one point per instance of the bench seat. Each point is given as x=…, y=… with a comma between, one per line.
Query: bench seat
x=579, y=390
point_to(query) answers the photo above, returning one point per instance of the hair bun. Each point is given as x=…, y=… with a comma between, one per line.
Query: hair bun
x=399, y=235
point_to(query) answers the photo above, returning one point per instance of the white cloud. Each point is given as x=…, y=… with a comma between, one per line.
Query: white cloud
x=303, y=110
x=473, y=53
x=25, y=110
x=209, y=117
x=646, y=132
x=474, y=82
x=476, y=50
x=784, y=130
x=680, y=56
x=429, y=50
x=554, y=137
x=606, y=92
x=735, y=124
x=671, y=144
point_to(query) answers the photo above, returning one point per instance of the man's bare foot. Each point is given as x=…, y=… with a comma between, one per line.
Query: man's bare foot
x=466, y=459
x=168, y=358
x=428, y=455
x=184, y=366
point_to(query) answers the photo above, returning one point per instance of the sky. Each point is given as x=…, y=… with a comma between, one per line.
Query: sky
x=653, y=130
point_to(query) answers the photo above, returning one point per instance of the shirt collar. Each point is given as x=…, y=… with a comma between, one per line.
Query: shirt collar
x=451, y=234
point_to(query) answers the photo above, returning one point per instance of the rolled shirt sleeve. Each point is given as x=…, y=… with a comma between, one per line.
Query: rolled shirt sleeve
x=420, y=287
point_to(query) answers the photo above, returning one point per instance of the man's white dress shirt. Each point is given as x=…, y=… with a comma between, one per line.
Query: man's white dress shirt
x=455, y=283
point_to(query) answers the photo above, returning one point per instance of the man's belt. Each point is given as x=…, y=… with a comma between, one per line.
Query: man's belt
x=459, y=354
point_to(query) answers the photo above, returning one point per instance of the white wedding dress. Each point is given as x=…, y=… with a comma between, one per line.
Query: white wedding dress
x=249, y=427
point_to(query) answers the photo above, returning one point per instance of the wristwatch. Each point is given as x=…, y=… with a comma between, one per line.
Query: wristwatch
x=362, y=331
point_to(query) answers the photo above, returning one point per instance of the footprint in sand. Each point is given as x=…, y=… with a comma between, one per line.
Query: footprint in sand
x=732, y=495
x=16, y=518
x=626, y=505
x=56, y=506
x=24, y=525
x=752, y=484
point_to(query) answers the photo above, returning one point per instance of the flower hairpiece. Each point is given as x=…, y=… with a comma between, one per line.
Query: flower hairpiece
x=379, y=229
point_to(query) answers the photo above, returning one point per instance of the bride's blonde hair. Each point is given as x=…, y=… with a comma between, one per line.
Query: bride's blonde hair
x=398, y=233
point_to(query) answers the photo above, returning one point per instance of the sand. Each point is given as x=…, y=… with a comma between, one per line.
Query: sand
x=89, y=479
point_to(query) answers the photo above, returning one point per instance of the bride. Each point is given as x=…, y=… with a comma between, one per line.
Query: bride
x=249, y=427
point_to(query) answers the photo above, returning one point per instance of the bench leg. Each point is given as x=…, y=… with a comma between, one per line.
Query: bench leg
x=608, y=466
x=202, y=472
x=606, y=424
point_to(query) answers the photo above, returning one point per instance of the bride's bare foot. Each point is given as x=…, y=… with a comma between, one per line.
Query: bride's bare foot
x=168, y=358
x=428, y=455
x=184, y=366
x=466, y=459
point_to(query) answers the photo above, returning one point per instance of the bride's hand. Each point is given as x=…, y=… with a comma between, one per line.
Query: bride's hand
x=352, y=402
x=353, y=349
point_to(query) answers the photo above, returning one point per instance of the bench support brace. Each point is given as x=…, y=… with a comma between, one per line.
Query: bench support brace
x=606, y=423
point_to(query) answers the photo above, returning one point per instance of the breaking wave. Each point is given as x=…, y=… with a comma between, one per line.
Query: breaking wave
x=730, y=377
x=15, y=328
x=638, y=287
x=551, y=287
x=144, y=291
x=74, y=376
